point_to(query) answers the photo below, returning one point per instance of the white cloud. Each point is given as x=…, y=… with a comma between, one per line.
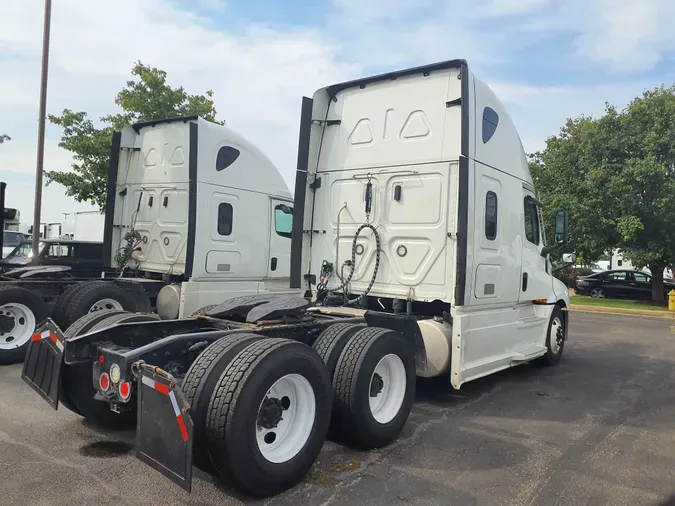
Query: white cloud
x=258, y=75
x=628, y=36
x=509, y=7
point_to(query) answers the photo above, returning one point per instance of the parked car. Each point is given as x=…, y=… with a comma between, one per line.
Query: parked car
x=84, y=258
x=619, y=284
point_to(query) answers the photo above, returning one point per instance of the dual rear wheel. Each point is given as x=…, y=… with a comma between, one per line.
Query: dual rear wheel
x=262, y=408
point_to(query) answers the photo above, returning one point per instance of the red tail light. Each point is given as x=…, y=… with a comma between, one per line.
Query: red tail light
x=125, y=390
x=104, y=382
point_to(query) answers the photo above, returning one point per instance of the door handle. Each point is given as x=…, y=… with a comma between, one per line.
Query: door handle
x=524, y=281
x=273, y=264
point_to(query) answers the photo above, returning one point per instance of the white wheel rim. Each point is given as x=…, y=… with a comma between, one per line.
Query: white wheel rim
x=556, y=325
x=23, y=326
x=106, y=304
x=292, y=398
x=387, y=388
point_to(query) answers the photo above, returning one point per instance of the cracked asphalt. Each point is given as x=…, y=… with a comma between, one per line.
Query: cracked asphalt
x=597, y=429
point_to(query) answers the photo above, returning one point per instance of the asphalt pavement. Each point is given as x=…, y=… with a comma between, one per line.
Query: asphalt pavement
x=597, y=429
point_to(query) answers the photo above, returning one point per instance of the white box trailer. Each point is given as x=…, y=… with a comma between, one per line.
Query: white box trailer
x=416, y=237
x=88, y=226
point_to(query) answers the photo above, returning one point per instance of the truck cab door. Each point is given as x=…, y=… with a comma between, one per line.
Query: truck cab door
x=279, y=262
x=535, y=280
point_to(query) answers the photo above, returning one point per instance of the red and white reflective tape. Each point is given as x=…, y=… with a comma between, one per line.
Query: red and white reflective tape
x=164, y=389
x=47, y=334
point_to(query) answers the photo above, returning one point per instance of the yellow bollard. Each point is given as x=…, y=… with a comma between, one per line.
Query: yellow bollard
x=671, y=300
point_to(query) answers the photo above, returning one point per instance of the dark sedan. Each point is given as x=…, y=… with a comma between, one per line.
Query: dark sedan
x=633, y=285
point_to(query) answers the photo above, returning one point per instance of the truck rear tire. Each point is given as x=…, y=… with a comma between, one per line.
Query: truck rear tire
x=21, y=311
x=329, y=346
x=268, y=416
x=61, y=304
x=87, y=322
x=199, y=383
x=374, y=386
x=98, y=296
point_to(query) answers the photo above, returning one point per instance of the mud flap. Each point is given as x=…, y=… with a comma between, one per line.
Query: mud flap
x=42, y=365
x=164, y=428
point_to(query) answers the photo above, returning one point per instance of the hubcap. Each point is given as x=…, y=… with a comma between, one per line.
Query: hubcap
x=557, y=337
x=17, y=324
x=598, y=293
x=106, y=304
x=387, y=388
x=285, y=418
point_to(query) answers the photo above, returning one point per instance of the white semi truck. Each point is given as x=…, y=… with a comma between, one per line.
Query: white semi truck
x=164, y=178
x=418, y=242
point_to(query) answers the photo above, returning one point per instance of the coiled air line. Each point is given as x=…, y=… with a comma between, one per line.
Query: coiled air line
x=345, y=282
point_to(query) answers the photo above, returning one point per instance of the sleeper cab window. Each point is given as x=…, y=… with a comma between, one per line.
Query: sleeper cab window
x=490, y=122
x=531, y=222
x=283, y=220
x=491, y=216
x=225, y=218
x=226, y=157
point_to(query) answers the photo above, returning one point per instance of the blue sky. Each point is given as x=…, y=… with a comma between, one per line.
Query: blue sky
x=547, y=60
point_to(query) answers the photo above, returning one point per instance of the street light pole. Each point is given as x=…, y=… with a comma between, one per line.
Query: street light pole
x=41, y=128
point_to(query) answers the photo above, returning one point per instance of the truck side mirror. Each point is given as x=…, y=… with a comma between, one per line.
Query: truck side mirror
x=569, y=258
x=561, y=227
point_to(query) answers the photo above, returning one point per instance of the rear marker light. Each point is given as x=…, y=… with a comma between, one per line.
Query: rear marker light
x=115, y=373
x=125, y=390
x=100, y=359
x=104, y=382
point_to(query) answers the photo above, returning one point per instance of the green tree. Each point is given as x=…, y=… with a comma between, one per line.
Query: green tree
x=616, y=176
x=144, y=98
x=4, y=138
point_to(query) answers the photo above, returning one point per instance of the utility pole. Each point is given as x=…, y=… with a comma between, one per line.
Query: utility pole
x=37, y=210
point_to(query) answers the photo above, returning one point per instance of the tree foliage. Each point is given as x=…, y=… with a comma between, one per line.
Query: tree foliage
x=615, y=175
x=4, y=138
x=146, y=97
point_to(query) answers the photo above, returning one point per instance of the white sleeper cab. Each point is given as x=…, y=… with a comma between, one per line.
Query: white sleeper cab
x=198, y=204
x=414, y=196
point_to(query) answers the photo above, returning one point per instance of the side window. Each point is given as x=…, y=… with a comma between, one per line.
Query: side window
x=618, y=276
x=57, y=251
x=619, y=263
x=283, y=220
x=491, y=216
x=641, y=278
x=226, y=157
x=531, y=222
x=490, y=122
x=225, y=218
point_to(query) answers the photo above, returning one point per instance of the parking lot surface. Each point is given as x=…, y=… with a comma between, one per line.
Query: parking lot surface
x=599, y=428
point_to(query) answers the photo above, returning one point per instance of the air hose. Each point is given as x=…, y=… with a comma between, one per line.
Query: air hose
x=345, y=282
